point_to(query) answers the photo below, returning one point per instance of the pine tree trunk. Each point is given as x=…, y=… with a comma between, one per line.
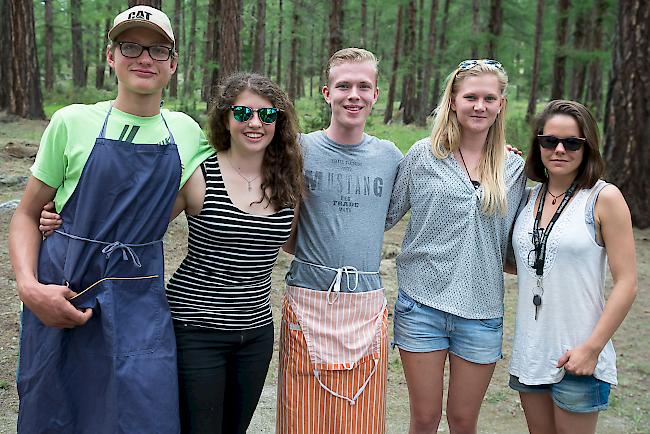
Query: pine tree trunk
x=230, y=43
x=210, y=48
x=442, y=47
x=173, y=82
x=628, y=109
x=336, y=26
x=258, y=49
x=475, y=27
x=269, y=61
x=408, y=97
x=559, y=62
x=425, y=108
x=579, y=65
x=388, y=114
x=78, y=68
x=278, y=69
x=595, y=82
x=188, y=83
x=6, y=78
x=364, y=22
x=99, y=55
x=48, y=40
x=496, y=25
x=25, y=99
x=532, y=100
x=292, y=87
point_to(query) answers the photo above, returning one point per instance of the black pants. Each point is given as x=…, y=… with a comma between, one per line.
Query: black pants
x=221, y=375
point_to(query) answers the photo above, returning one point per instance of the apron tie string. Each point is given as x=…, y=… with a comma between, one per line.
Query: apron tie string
x=335, y=286
x=112, y=247
x=354, y=399
x=108, y=251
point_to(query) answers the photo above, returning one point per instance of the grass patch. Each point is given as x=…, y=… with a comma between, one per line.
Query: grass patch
x=4, y=385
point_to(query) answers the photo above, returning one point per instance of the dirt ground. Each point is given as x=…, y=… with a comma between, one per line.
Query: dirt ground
x=501, y=411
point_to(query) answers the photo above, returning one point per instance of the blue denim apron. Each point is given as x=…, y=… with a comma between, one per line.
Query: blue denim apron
x=116, y=373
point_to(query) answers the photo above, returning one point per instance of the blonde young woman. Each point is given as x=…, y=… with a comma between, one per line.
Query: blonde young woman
x=463, y=189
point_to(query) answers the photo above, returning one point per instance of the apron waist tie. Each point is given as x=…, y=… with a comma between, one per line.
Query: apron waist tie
x=112, y=247
x=354, y=399
x=335, y=286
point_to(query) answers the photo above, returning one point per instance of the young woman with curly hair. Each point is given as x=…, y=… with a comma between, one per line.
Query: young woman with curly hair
x=219, y=296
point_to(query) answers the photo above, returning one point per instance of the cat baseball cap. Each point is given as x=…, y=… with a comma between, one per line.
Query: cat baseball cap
x=142, y=16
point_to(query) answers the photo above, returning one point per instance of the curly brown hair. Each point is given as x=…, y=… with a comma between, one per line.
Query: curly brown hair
x=282, y=164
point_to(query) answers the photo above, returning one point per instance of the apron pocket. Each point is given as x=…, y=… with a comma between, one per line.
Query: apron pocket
x=128, y=314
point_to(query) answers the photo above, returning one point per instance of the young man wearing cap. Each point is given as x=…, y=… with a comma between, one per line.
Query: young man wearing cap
x=97, y=345
x=333, y=344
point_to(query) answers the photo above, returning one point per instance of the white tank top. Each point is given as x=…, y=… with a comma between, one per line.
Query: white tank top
x=573, y=298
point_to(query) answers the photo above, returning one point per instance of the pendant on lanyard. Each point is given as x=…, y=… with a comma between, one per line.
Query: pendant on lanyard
x=540, y=237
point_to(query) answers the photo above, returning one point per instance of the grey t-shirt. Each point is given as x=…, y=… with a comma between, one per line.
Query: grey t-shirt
x=342, y=218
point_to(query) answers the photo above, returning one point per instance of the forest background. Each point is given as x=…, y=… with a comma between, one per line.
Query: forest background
x=52, y=53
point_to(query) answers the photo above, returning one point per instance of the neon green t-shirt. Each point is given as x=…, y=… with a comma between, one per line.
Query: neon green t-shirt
x=70, y=136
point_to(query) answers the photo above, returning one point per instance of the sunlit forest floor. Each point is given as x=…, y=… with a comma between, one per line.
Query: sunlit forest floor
x=501, y=411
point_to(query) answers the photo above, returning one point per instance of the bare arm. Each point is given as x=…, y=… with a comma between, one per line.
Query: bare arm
x=190, y=198
x=48, y=302
x=616, y=228
x=290, y=245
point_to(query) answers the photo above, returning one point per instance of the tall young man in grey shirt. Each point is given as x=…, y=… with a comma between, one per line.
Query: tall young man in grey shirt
x=333, y=347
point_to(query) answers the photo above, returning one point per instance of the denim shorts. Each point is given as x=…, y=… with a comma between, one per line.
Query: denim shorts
x=574, y=393
x=422, y=329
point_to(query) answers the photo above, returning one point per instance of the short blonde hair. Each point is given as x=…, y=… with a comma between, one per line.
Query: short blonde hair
x=351, y=55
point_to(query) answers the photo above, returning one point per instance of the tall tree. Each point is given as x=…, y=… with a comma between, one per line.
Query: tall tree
x=278, y=66
x=229, y=51
x=388, y=113
x=6, y=48
x=559, y=62
x=409, y=102
x=188, y=83
x=292, y=84
x=210, y=49
x=258, y=48
x=153, y=3
x=442, y=48
x=364, y=23
x=78, y=66
x=424, y=107
x=336, y=26
x=532, y=100
x=173, y=82
x=595, y=81
x=475, y=27
x=628, y=109
x=48, y=40
x=25, y=99
x=579, y=69
x=495, y=26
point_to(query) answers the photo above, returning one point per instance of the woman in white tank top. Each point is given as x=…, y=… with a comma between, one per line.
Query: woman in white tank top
x=563, y=362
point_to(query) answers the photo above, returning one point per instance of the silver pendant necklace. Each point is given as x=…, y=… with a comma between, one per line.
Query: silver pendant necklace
x=248, y=181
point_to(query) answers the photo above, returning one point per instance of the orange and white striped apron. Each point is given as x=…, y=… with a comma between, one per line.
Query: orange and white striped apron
x=333, y=360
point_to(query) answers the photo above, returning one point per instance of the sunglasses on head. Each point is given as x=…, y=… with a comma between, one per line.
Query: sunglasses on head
x=242, y=113
x=470, y=63
x=569, y=143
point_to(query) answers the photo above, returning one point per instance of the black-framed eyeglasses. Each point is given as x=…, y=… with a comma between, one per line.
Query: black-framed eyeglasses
x=548, y=141
x=133, y=50
x=470, y=63
x=242, y=113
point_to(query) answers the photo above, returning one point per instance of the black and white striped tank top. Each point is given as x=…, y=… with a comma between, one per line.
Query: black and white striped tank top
x=224, y=281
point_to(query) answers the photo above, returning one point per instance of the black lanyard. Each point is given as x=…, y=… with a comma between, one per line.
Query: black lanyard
x=539, y=240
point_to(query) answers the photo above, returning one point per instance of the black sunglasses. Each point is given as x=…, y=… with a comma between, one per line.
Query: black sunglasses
x=133, y=50
x=569, y=143
x=242, y=113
